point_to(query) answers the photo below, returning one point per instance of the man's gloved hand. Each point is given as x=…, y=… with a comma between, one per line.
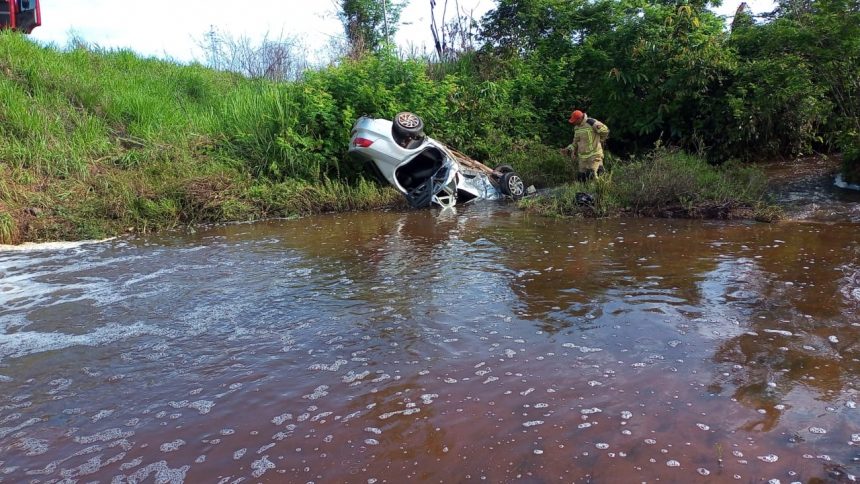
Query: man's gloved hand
x=590, y=121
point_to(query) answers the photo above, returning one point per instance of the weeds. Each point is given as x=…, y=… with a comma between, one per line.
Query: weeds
x=8, y=230
x=666, y=184
x=103, y=141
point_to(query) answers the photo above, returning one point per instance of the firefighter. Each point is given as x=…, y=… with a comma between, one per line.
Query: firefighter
x=587, y=147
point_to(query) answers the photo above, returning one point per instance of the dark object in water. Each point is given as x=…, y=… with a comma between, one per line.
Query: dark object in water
x=583, y=198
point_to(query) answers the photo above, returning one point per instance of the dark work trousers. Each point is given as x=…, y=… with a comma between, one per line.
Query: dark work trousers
x=584, y=176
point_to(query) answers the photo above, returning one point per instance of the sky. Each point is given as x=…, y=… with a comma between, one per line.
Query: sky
x=175, y=29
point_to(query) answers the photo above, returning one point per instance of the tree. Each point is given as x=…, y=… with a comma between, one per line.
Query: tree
x=281, y=58
x=369, y=24
x=455, y=36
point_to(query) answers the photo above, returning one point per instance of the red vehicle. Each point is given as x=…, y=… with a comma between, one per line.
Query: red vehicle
x=20, y=15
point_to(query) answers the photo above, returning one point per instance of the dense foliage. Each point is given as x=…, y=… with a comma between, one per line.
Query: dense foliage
x=674, y=71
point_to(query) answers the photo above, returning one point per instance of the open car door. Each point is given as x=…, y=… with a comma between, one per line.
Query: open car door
x=20, y=15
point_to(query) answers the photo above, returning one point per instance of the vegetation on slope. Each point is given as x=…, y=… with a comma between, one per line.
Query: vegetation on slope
x=98, y=142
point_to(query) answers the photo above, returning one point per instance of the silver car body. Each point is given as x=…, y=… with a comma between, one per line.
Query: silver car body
x=426, y=172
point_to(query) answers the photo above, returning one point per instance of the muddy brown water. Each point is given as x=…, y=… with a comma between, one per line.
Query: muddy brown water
x=487, y=345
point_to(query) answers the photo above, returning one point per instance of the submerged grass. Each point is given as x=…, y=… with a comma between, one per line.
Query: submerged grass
x=665, y=184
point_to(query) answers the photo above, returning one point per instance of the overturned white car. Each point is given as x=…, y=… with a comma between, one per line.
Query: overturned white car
x=426, y=171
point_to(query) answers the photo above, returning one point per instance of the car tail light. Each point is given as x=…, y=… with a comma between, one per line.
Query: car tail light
x=362, y=142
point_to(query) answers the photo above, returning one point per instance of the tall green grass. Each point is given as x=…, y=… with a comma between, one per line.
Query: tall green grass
x=7, y=228
x=100, y=141
x=64, y=111
x=665, y=183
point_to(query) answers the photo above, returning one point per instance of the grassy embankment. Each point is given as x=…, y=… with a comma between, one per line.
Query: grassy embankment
x=96, y=143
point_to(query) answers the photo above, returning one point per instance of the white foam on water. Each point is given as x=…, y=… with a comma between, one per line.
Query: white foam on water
x=164, y=474
x=779, y=331
x=50, y=246
x=325, y=367
x=172, y=446
x=318, y=393
x=320, y=417
x=408, y=411
x=33, y=447
x=202, y=406
x=352, y=376
x=104, y=436
x=841, y=183
x=261, y=466
x=101, y=414
x=280, y=419
x=25, y=343
x=4, y=431
x=265, y=448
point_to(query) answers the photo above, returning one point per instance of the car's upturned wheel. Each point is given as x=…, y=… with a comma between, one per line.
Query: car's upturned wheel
x=504, y=169
x=407, y=127
x=512, y=185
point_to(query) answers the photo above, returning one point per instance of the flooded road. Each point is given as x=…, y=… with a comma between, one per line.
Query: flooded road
x=486, y=346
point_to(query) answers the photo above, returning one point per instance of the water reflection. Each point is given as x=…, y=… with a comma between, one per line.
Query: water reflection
x=479, y=344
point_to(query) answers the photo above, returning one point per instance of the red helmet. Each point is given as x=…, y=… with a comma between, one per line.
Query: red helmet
x=576, y=117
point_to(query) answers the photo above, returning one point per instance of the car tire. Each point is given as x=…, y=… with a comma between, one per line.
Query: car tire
x=504, y=169
x=512, y=185
x=407, y=129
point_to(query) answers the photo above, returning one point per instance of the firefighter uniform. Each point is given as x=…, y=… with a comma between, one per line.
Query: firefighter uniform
x=587, y=147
